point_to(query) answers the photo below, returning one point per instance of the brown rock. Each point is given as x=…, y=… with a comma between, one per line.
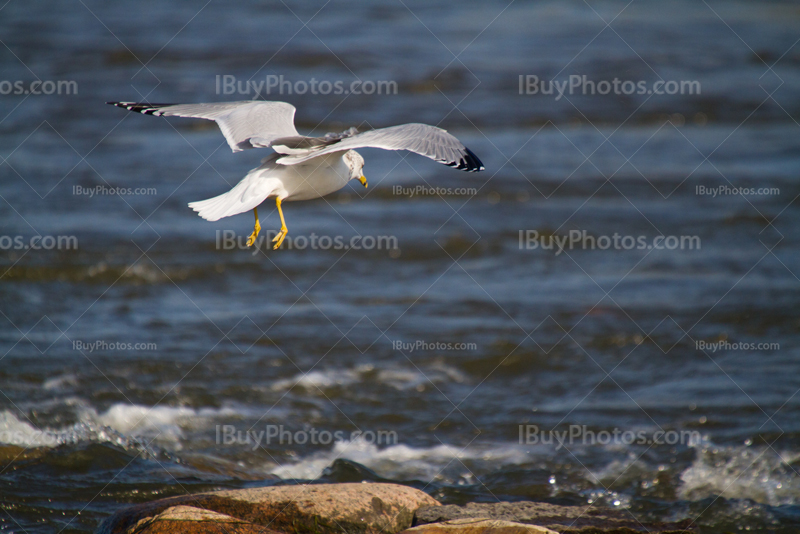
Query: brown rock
x=478, y=526
x=315, y=509
x=195, y=521
x=563, y=519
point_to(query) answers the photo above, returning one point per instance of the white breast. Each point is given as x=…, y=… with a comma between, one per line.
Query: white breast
x=314, y=178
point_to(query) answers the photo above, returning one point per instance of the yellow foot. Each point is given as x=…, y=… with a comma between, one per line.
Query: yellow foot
x=278, y=239
x=252, y=239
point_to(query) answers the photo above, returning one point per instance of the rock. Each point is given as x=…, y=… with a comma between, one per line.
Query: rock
x=350, y=508
x=478, y=526
x=563, y=519
x=195, y=521
x=347, y=471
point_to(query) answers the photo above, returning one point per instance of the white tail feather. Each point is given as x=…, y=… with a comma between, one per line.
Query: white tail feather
x=246, y=195
x=212, y=209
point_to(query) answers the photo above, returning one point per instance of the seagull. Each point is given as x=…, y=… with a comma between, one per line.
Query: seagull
x=302, y=167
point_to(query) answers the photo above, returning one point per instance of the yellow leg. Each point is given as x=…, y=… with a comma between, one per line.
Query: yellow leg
x=278, y=239
x=256, y=229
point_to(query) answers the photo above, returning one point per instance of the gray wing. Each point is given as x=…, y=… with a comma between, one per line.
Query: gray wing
x=423, y=139
x=245, y=124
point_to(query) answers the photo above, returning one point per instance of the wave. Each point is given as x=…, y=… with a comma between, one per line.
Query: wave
x=399, y=379
x=122, y=424
x=757, y=473
x=167, y=423
x=761, y=474
x=22, y=433
x=402, y=462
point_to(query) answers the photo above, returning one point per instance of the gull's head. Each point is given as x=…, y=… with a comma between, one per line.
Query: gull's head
x=356, y=164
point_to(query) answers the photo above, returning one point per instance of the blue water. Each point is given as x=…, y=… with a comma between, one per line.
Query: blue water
x=123, y=361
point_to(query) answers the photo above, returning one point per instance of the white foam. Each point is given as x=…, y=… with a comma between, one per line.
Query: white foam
x=59, y=382
x=317, y=380
x=163, y=422
x=22, y=433
x=401, y=461
x=403, y=379
x=400, y=379
x=742, y=472
x=119, y=422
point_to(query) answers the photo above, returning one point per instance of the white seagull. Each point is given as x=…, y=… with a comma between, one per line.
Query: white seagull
x=302, y=167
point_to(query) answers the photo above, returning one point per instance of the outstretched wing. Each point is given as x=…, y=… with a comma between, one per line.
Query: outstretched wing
x=245, y=124
x=428, y=141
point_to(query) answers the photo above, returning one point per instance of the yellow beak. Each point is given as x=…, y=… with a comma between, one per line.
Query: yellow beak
x=363, y=181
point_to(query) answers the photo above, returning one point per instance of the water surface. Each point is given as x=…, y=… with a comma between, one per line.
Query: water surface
x=124, y=360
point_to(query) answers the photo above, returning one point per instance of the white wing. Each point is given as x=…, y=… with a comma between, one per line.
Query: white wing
x=245, y=124
x=428, y=141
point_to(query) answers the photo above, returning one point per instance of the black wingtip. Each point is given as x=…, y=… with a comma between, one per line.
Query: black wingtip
x=476, y=165
x=147, y=109
x=469, y=162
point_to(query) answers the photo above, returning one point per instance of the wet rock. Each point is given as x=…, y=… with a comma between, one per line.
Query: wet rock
x=195, y=521
x=563, y=519
x=478, y=526
x=346, y=471
x=351, y=508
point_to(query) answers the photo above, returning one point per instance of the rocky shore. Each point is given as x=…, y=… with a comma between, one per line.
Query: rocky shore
x=363, y=508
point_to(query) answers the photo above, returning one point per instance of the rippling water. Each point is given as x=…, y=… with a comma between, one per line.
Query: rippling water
x=135, y=364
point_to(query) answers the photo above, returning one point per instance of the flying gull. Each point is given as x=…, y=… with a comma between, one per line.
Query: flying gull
x=302, y=167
